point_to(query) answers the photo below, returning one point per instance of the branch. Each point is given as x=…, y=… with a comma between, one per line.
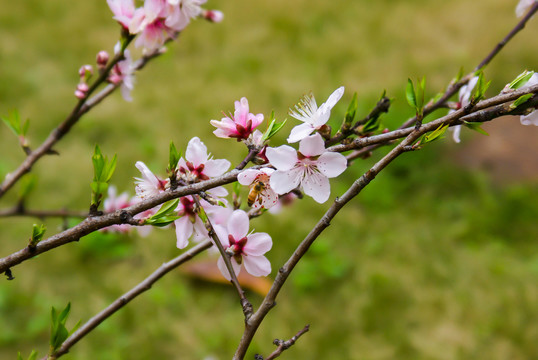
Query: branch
x=245, y=304
x=285, y=345
x=127, y=297
x=122, y=216
x=17, y=211
x=83, y=106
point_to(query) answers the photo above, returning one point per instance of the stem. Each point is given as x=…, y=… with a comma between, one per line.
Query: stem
x=128, y=296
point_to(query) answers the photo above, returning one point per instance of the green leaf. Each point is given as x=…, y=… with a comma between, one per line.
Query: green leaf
x=111, y=168
x=165, y=215
x=476, y=126
x=460, y=74
x=521, y=100
x=27, y=184
x=352, y=109
x=174, y=156
x=273, y=127
x=411, y=94
x=37, y=234
x=434, y=135
x=59, y=332
x=98, y=163
x=521, y=80
x=421, y=88
x=19, y=356
x=480, y=88
x=13, y=121
x=33, y=355
x=236, y=188
x=162, y=221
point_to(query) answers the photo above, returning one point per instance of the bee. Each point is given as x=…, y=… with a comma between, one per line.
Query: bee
x=256, y=193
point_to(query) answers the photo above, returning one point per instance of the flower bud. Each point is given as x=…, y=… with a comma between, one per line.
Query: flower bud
x=102, y=59
x=215, y=16
x=85, y=71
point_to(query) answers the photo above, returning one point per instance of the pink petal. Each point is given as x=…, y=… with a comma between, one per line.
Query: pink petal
x=238, y=224
x=300, y=132
x=216, y=167
x=312, y=145
x=258, y=244
x=183, y=231
x=256, y=120
x=200, y=232
x=224, y=270
x=222, y=235
x=282, y=182
x=196, y=152
x=257, y=265
x=331, y=164
x=283, y=157
x=248, y=176
x=317, y=186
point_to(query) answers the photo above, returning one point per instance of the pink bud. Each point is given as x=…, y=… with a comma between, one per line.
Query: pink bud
x=80, y=94
x=215, y=16
x=83, y=87
x=102, y=58
x=385, y=131
x=85, y=70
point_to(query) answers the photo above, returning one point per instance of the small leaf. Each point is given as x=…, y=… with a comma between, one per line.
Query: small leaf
x=521, y=80
x=421, y=88
x=521, y=100
x=476, y=126
x=434, y=135
x=352, y=109
x=410, y=94
x=480, y=88
x=25, y=129
x=33, y=355
x=13, y=121
x=174, y=157
x=460, y=74
x=110, y=168
x=37, y=234
x=273, y=127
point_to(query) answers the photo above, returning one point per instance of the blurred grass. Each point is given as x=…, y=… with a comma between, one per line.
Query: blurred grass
x=430, y=262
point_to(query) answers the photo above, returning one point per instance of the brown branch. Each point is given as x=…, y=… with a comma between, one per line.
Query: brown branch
x=128, y=296
x=83, y=106
x=255, y=320
x=251, y=155
x=122, y=216
x=245, y=304
x=285, y=345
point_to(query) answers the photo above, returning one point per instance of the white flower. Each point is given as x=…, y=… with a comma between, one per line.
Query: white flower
x=149, y=184
x=532, y=118
x=261, y=194
x=313, y=117
x=198, y=165
x=464, y=97
x=309, y=168
x=523, y=7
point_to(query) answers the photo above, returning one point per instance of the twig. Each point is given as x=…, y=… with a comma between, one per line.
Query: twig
x=16, y=211
x=285, y=345
x=128, y=296
x=92, y=224
x=82, y=107
x=251, y=155
x=245, y=304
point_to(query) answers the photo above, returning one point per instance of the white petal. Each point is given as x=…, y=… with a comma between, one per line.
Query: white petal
x=238, y=224
x=248, y=176
x=312, y=145
x=331, y=164
x=283, y=157
x=531, y=119
x=282, y=182
x=334, y=98
x=183, y=231
x=216, y=167
x=257, y=265
x=222, y=235
x=456, y=133
x=300, y=132
x=196, y=152
x=269, y=199
x=224, y=270
x=258, y=244
x=317, y=186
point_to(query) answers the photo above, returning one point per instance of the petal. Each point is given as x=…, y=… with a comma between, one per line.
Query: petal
x=312, y=145
x=331, y=164
x=282, y=182
x=222, y=235
x=456, y=133
x=283, y=157
x=317, y=186
x=269, y=199
x=334, y=98
x=300, y=132
x=258, y=244
x=196, y=152
x=217, y=167
x=183, y=231
x=147, y=174
x=257, y=265
x=248, y=176
x=238, y=224
x=224, y=270
x=531, y=119
x=200, y=232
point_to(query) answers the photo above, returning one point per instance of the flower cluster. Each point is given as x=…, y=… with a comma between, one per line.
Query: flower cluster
x=158, y=20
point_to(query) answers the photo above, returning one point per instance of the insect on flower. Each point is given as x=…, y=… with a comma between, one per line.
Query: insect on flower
x=260, y=195
x=256, y=193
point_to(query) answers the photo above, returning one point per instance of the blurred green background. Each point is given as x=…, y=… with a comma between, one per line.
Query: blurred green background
x=436, y=259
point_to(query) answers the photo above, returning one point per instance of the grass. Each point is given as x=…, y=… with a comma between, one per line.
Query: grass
x=430, y=262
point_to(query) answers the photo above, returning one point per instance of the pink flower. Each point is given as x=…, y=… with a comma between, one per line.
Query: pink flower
x=244, y=248
x=123, y=11
x=197, y=164
x=240, y=125
x=523, y=7
x=123, y=72
x=261, y=194
x=310, y=167
x=149, y=184
x=215, y=16
x=464, y=97
x=181, y=15
x=313, y=117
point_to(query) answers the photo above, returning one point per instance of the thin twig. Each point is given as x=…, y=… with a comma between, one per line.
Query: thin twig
x=128, y=296
x=245, y=304
x=41, y=214
x=285, y=345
